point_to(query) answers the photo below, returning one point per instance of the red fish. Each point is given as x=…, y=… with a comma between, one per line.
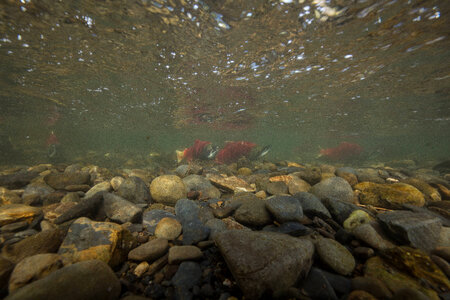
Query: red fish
x=52, y=139
x=197, y=151
x=233, y=151
x=344, y=151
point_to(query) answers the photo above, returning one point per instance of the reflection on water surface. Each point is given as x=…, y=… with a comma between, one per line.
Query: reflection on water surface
x=154, y=75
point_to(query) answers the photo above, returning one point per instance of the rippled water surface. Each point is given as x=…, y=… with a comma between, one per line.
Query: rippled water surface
x=148, y=77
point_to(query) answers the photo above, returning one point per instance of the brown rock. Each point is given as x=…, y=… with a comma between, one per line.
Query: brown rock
x=168, y=228
x=231, y=184
x=177, y=254
x=12, y=213
x=149, y=251
x=168, y=189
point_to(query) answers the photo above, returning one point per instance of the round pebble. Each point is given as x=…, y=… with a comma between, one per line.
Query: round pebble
x=168, y=228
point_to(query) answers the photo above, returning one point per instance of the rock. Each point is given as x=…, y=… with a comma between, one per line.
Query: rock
x=297, y=185
x=215, y=226
x=85, y=208
x=360, y=295
x=284, y=208
x=33, y=268
x=187, y=276
x=8, y=197
x=231, y=183
x=334, y=188
x=149, y=251
x=151, y=218
x=14, y=227
x=18, y=179
x=168, y=189
x=312, y=206
x=120, y=210
x=178, y=254
x=292, y=228
x=341, y=284
x=59, y=181
x=6, y=268
x=12, y=213
x=389, y=195
x=431, y=193
x=35, y=192
x=253, y=213
x=444, y=237
x=357, y=218
x=336, y=256
x=43, y=242
x=188, y=213
x=71, y=197
x=263, y=261
x=135, y=190
x=141, y=269
x=78, y=188
x=201, y=184
x=168, y=228
x=348, y=174
x=116, y=182
x=91, y=279
x=393, y=278
x=370, y=236
x=104, y=241
x=99, y=188
x=277, y=188
x=187, y=210
x=310, y=175
x=372, y=286
x=416, y=229
x=368, y=174
x=316, y=286
x=339, y=210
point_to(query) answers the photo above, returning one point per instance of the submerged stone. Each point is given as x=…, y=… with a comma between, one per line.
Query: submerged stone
x=12, y=213
x=264, y=261
x=334, y=188
x=167, y=189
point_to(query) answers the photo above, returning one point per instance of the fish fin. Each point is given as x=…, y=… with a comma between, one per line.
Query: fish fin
x=180, y=155
x=264, y=151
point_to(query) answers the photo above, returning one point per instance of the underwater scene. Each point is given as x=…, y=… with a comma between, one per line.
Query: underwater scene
x=224, y=149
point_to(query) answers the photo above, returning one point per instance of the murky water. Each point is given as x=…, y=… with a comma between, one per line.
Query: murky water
x=134, y=78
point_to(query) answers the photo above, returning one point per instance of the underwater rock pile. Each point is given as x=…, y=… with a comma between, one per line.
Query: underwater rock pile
x=262, y=230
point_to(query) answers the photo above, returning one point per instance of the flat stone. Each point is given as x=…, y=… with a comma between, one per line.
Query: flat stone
x=178, y=254
x=43, y=242
x=135, y=190
x=336, y=256
x=312, y=206
x=12, y=213
x=151, y=218
x=370, y=236
x=8, y=197
x=264, y=261
x=310, y=175
x=99, y=188
x=59, y=181
x=14, y=227
x=277, y=188
x=33, y=268
x=370, y=175
x=120, y=210
x=231, y=183
x=36, y=191
x=334, y=188
x=416, y=229
x=149, y=251
x=168, y=228
x=391, y=196
x=253, y=213
x=17, y=180
x=297, y=185
x=168, y=189
x=284, y=208
x=91, y=279
x=88, y=239
x=393, y=278
x=88, y=206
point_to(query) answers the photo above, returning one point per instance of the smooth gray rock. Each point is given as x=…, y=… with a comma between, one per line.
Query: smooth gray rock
x=151, y=218
x=92, y=279
x=369, y=174
x=335, y=255
x=99, y=188
x=215, y=226
x=36, y=190
x=135, y=190
x=277, y=188
x=253, y=213
x=316, y=286
x=59, y=181
x=416, y=229
x=120, y=210
x=284, y=208
x=264, y=261
x=194, y=232
x=178, y=254
x=188, y=274
x=312, y=206
x=149, y=251
x=333, y=188
x=187, y=210
x=370, y=236
x=339, y=210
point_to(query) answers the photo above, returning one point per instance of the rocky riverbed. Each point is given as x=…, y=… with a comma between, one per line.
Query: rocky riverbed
x=245, y=230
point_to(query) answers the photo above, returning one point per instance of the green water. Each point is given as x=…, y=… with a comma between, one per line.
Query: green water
x=131, y=78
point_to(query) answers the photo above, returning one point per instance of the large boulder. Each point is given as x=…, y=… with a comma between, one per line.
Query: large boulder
x=333, y=188
x=88, y=240
x=168, y=189
x=92, y=279
x=391, y=196
x=264, y=262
